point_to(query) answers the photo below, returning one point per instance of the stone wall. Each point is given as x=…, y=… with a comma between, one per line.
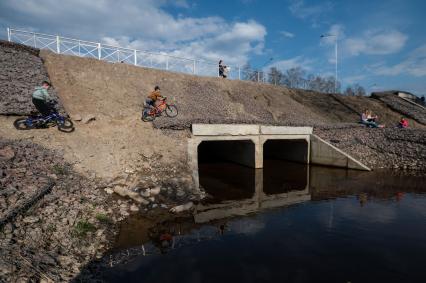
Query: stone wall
x=21, y=70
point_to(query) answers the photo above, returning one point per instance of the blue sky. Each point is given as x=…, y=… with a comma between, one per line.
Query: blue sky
x=382, y=44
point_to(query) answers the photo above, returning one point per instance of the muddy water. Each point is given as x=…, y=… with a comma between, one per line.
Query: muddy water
x=285, y=223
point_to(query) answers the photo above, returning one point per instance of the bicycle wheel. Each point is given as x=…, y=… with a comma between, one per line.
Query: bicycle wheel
x=22, y=124
x=66, y=123
x=147, y=117
x=66, y=126
x=171, y=111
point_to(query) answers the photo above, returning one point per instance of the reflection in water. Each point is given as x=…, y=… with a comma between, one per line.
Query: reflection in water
x=224, y=180
x=349, y=226
x=281, y=177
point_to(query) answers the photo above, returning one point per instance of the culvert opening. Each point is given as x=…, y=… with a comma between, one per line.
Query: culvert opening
x=285, y=166
x=226, y=169
x=288, y=150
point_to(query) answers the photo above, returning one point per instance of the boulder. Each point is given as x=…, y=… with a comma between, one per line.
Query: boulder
x=7, y=153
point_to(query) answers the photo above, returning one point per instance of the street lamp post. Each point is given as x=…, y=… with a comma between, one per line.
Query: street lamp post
x=335, y=57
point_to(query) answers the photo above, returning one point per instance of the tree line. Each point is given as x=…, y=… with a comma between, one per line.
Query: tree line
x=299, y=78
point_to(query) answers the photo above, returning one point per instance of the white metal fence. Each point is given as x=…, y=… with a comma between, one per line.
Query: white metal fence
x=88, y=49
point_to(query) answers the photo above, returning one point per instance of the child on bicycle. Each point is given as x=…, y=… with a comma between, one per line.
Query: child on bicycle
x=41, y=98
x=152, y=98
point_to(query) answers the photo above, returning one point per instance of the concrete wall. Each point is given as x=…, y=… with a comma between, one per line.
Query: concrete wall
x=323, y=153
x=249, y=144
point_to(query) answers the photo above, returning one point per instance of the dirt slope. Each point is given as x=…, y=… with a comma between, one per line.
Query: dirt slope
x=117, y=90
x=117, y=145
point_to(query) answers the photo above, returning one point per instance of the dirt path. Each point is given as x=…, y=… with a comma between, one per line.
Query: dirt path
x=108, y=148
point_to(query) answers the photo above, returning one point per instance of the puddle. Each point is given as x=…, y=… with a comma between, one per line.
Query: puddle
x=284, y=223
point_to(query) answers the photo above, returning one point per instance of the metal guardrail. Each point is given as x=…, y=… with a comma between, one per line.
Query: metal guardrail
x=96, y=50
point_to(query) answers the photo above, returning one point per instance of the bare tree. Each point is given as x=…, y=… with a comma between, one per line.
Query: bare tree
x=349, y=91
x=275, y=76
x=359, y=90
x=295, y=77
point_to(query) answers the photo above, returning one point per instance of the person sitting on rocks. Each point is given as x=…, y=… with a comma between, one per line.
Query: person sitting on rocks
x=371, y=117
x=152, y=98
x=403, y=123
x=41, y=98
x=369, y=120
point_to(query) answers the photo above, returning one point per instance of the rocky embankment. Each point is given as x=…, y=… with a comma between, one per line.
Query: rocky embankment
x=21, y=71
x=406, y=108
x=380, y=148
x=53, y=236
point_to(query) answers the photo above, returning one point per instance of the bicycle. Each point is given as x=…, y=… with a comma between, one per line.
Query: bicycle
x=149, y=114
x=36, y=121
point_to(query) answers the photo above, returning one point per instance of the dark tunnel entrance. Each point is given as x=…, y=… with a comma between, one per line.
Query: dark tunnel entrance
x=288, y=150
x=226, y=169
x=285, y=166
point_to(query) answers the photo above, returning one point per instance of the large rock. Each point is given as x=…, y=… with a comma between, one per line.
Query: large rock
x=7, y=153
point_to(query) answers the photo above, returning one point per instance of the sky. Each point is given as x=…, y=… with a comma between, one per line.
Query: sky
x=381, y=44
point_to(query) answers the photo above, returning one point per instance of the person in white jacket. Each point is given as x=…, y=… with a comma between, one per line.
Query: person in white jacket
x=41, y=98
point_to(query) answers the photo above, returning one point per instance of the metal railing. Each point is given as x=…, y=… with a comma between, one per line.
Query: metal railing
x=164, y=61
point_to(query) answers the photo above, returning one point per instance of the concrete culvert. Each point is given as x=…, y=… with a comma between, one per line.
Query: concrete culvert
x=226, y=168
x=236, y=151
x=294, y=150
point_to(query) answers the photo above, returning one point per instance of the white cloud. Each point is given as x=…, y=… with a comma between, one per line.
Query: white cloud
x=375, y=42
x=287, y=34
x=414, y=64
x=335, y=31
x=142, y=24
x=354, y=79
x=299, y=61
x=301, y=10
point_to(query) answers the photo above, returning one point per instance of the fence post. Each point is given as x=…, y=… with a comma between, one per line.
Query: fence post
x=258, y=76
x=79, y=47
x=58, y=45
x=136, y=57
x=167, y=62
x=193, y=69
x=8, y=34
x=34, y=39
x=99, y=51
x=239, y=73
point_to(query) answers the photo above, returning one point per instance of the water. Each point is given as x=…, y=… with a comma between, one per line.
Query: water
x=285, y=223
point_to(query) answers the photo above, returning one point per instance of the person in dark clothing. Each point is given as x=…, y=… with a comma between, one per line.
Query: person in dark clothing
x=222, y=70
x=41, y=98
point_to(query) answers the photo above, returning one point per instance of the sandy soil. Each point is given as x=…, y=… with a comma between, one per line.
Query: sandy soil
x=108, y=148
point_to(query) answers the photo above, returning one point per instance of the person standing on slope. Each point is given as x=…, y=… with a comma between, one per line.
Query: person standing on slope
x=222, y=70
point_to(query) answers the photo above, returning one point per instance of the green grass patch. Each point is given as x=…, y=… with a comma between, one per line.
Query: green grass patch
x=103, y=218
x=59, y=169
x=83, y=227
